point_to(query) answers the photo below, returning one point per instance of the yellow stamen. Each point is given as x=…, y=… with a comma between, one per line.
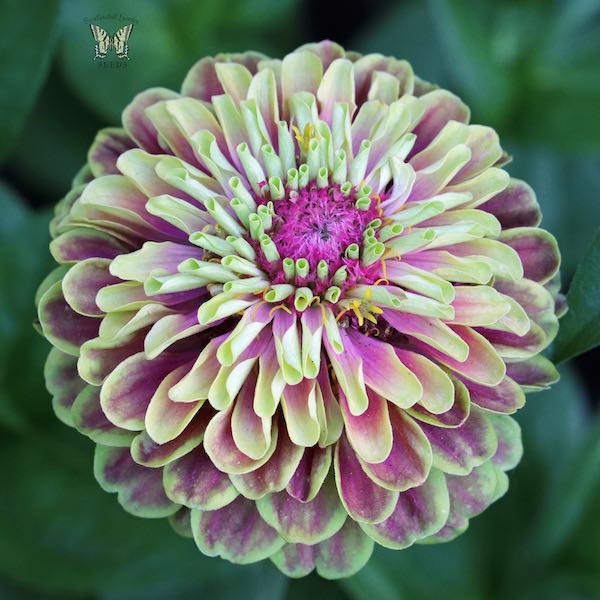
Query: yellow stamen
x=383, y=268
x=277, y=307
x=304, y=138
x=255, y=310
x=378, y=205
x=323, y=313
x=358, y=316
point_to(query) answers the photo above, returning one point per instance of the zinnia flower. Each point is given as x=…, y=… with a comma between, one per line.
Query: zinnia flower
x=296, y=304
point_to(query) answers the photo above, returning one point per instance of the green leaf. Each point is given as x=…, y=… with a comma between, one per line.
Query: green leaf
x=580, y=327
x=554, y=418
x=563, y=584
x=313, y=586
x=561, y=90
x=26, y=47
x=407, y=574
x=564, y=508
x=24, y=261
x=563, y=119
x=465, y=34
x=58, y=115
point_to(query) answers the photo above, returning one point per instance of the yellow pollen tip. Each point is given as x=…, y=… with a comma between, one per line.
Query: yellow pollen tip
x=358, y=316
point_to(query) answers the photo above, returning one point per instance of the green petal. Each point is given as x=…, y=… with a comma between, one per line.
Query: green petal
x=275, y=474
x=300, y=72
x=193, y=480
x=140, y=489
x=89, y=419
x=510, y=446
x=236, y=533
x=295, y=560
x=304, y=522
x=420, y=512
x=469, y=496
x=458, y=451
x=345, y=553
x=63, y=382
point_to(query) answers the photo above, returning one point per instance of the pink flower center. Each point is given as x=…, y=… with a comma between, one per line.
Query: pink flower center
x=319, y=224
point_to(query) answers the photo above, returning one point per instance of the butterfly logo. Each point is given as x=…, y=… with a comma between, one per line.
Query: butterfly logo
x=105, y=42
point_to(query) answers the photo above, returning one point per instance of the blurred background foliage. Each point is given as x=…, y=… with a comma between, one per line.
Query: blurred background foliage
x=529, y=68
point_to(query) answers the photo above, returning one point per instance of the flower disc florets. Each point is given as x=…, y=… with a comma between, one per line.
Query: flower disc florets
x=295, y=307
x=326, y=228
